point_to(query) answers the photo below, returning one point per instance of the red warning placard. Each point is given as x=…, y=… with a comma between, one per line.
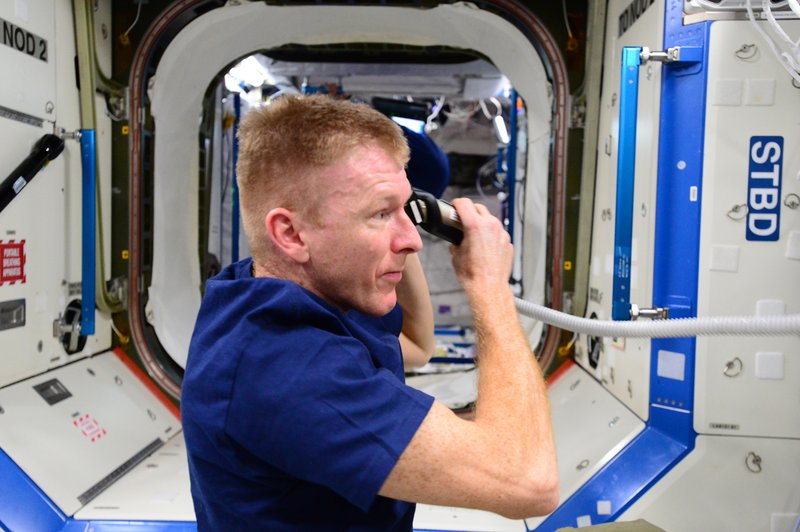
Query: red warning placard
x=12, y=261
x=89, y=427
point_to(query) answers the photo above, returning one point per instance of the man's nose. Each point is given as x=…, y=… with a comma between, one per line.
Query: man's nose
x=407, y=238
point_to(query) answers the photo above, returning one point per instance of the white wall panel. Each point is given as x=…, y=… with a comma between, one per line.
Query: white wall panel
x=103, y=418
x=747, y=96
x=727, y=484
x=624, y=364
x=47, y=212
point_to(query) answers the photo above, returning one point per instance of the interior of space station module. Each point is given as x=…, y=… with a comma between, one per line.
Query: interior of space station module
x=644, y=156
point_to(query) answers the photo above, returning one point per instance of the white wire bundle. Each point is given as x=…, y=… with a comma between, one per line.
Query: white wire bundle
x=790, y=60
x=787, y=325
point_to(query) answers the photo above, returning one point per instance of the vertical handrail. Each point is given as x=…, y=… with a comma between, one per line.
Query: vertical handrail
x=511, y=163
x=88, y=273
x=237, y=109
x=626, y=169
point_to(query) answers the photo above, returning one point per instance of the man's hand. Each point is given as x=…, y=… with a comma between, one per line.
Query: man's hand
x=483, y=260
x=504, y=460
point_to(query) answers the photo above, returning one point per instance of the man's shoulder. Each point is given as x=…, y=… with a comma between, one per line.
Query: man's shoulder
x=264, y=314
x=247, y=296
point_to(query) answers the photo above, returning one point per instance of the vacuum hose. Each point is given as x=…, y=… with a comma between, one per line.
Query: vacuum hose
x=787, y=325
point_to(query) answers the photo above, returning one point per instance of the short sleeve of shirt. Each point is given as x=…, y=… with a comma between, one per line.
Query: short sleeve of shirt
x=322, y=412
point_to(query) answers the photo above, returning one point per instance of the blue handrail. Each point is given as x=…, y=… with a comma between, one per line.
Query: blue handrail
x=88, y=273
x=237, y=109
x=511, y=163
x=626, y=165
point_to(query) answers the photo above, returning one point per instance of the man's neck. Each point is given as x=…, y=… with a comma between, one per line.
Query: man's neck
x=261, y=269
x=258, y=269
x=277, y=271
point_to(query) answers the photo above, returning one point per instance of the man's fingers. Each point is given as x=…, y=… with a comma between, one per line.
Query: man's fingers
x=467, y=209
x=481, y=208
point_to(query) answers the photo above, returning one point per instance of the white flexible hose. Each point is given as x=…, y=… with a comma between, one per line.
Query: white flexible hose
x=795, y=5
x=790, y=61
x=788, y=325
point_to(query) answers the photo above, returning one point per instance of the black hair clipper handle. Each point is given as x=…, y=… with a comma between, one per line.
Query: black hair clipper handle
x=45, y=150
x=436, y=216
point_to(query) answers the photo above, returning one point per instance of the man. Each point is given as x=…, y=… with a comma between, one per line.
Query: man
x=295, y=412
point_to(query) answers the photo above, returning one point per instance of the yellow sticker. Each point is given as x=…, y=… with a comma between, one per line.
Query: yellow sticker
x=567, y=265
x=124, y=130
x=124, y=254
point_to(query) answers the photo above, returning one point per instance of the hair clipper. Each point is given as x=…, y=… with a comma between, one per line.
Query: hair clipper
x=436, y=216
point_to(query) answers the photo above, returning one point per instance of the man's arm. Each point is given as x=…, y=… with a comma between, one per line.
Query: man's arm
x=416, y=339
x=504, y=460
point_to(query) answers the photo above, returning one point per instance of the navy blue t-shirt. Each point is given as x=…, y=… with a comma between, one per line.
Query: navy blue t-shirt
x=294, y=412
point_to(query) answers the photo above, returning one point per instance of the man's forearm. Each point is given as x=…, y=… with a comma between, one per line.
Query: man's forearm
x=512, y=402
x=504, y=459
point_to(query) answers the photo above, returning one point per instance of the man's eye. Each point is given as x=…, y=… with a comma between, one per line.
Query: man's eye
x=382, y=215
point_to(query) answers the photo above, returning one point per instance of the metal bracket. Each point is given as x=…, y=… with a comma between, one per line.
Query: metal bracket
x=676, y=54
x=752, y=462
x=66, y=135
x=733, y=367
x=70, y=330
x=657, y=313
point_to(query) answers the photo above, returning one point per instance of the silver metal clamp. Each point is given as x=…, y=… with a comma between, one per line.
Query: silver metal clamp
x=657, y=313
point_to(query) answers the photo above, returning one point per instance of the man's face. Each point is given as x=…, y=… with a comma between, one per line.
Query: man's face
x=358, y=250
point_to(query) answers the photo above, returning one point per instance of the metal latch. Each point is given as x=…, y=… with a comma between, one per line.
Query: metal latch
x=657, y=313
x=66, y=135
x=676, y=54
x=67, y=329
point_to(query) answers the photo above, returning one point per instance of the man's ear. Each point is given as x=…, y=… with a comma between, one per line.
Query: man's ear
x=282, y=228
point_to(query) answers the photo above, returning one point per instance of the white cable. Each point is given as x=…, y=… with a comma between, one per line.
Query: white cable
x=767, y=10
x=793, y=46
x=485, y=109
x=795, y=5
x=437, y=108
x=462, y=115
x=138, y=12
x=479, y=188
x=788, y=325
x=789, y=61
x=566, y=19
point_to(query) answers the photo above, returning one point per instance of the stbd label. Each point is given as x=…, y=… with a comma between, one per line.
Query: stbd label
x=764, y=188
